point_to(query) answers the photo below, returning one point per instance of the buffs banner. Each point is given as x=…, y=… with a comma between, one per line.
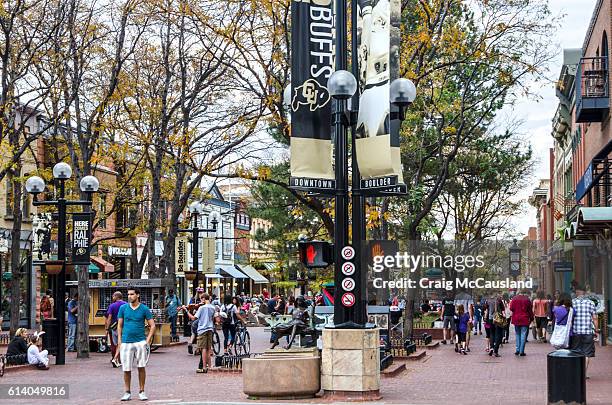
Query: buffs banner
x=378, y=29
x=312, y=50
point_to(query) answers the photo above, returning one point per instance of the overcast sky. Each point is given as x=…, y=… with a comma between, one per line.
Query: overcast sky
x=537, y=115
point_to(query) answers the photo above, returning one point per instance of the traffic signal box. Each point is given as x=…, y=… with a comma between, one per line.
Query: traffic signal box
x=316, y=254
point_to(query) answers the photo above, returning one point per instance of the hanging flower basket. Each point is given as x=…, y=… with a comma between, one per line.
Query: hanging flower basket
x=190, y=275
x=54, y=267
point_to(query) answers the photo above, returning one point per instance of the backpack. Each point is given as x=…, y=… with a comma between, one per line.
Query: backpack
x=231, y=315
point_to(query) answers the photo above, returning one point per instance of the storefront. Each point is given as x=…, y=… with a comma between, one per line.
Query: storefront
x=121, y=259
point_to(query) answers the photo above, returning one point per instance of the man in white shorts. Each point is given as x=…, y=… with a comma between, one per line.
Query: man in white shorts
x=132, y=345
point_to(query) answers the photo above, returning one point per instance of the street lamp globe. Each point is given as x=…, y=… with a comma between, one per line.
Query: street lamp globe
x=62, y=171
x=214, y=218
x=89, y=184
x=342, y=85
x=195, y=207
x=403, y=92
x=35, y=185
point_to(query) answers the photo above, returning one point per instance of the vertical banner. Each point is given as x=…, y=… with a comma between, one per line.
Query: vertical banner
x=378, y=65
x=312, y=63
x=81, y=237
x=180, y=255
x=208, y=255
x=394, y=66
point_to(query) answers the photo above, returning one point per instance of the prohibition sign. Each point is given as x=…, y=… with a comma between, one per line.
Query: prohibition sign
x=348, y=299
x=348, y=269
x=348, y=284
x=348, y=252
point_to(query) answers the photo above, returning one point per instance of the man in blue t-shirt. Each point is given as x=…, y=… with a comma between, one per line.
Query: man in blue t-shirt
x=133, y=346
x=73, y=309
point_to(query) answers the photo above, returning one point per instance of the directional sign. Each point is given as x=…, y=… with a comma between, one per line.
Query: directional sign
x=348, y=252
x=348, y=269
x=348, y=284
x=348, y=299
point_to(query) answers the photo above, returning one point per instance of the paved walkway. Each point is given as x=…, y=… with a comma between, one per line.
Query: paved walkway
x=444, y=377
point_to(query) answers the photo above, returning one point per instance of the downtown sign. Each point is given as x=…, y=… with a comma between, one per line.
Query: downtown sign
x=312, y=50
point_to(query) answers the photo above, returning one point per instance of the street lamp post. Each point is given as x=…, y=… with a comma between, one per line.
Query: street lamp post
x=36, y=185
x=196, y=209
x=342, y=86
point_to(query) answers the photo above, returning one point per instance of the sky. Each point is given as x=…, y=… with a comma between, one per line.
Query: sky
x=575, y=16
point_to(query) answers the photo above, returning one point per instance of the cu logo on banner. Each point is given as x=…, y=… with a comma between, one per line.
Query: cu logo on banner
x=348, y=299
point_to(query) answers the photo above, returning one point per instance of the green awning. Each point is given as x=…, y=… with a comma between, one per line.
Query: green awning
x=93, y=268
x=595, y=215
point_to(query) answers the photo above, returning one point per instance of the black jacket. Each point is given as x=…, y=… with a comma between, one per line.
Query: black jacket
x=17, y=346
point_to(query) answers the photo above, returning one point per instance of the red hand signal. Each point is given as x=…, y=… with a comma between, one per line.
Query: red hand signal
x=311, y=253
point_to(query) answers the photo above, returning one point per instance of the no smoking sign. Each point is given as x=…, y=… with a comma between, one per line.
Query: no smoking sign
x=348, y=299
x=348, y=253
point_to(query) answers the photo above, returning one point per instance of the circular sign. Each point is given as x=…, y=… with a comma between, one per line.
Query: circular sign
x=348, y=284
x=348, y=299
x=348, y=252
x=348, y=269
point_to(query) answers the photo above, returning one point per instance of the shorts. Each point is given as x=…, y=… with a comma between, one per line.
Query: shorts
x=134, y=353
x=461, y=337
x=449, y=322
x=541, y=322
x=583, y=344
x=205, y=340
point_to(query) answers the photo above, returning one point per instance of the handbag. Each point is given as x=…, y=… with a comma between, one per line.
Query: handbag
x=560, y=336
x=499, y=320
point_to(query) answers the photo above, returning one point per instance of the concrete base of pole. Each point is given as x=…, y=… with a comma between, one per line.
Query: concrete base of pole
x=350, y=364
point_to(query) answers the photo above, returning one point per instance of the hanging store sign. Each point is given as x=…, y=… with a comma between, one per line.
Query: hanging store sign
x=180, y=256
x=118, y=251
x=312, y=63
x=81, y=238
x=208, y=255
x=378, y=124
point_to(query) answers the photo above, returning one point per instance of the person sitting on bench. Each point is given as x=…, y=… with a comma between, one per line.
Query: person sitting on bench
x=36, y=357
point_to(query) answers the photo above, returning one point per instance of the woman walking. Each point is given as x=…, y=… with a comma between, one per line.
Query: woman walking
x=562, y=318
x=499, y=324
x=539, y=309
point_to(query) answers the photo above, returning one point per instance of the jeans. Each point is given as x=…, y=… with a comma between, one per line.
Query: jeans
x=477, y=324
x=172, y=320
x=71, y=336
x=497, y=336
x=229, y=335
x=521, y=337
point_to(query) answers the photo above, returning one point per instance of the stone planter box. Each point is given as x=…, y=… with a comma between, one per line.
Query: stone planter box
x=436, y=333
x=299, y=369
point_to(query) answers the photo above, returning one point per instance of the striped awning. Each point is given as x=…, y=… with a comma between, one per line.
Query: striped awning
x=270, y=266
x=229, y=272
x=252, y=274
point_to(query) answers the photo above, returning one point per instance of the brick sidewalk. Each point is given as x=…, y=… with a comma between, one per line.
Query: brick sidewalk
x=444, y=377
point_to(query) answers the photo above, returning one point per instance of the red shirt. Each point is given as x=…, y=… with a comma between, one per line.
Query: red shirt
x=522, y=312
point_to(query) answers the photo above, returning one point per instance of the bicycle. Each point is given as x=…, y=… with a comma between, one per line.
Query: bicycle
x=242, y=344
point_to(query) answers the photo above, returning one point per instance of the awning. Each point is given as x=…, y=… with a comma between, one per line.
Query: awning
x=213, y=275
x=93, y=268
x=252, y=274
x=595, y=215
x=103, y=264
x=230, y=271
x=270, y=266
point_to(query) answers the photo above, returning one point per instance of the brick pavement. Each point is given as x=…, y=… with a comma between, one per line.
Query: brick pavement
x=444, y=377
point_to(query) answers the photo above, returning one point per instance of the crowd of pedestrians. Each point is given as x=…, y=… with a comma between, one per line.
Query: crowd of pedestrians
x=563, y=321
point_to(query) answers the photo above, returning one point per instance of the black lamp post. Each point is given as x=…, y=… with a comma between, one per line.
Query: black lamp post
x=196, y=209
x=342, y=86
x=36, y=185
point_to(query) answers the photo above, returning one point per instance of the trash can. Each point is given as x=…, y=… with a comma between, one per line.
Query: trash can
x=566, y=377
x=49, y=326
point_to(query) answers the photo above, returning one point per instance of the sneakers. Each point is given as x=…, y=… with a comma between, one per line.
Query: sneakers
x=443, y=342
x=190, y=348
x=142, y=396
x=126, y=397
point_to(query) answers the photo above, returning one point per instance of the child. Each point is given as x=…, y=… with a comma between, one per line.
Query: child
x=462, y=327
x=36, y=357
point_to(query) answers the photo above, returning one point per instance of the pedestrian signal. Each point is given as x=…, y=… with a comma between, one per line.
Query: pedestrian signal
x=316, y=254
